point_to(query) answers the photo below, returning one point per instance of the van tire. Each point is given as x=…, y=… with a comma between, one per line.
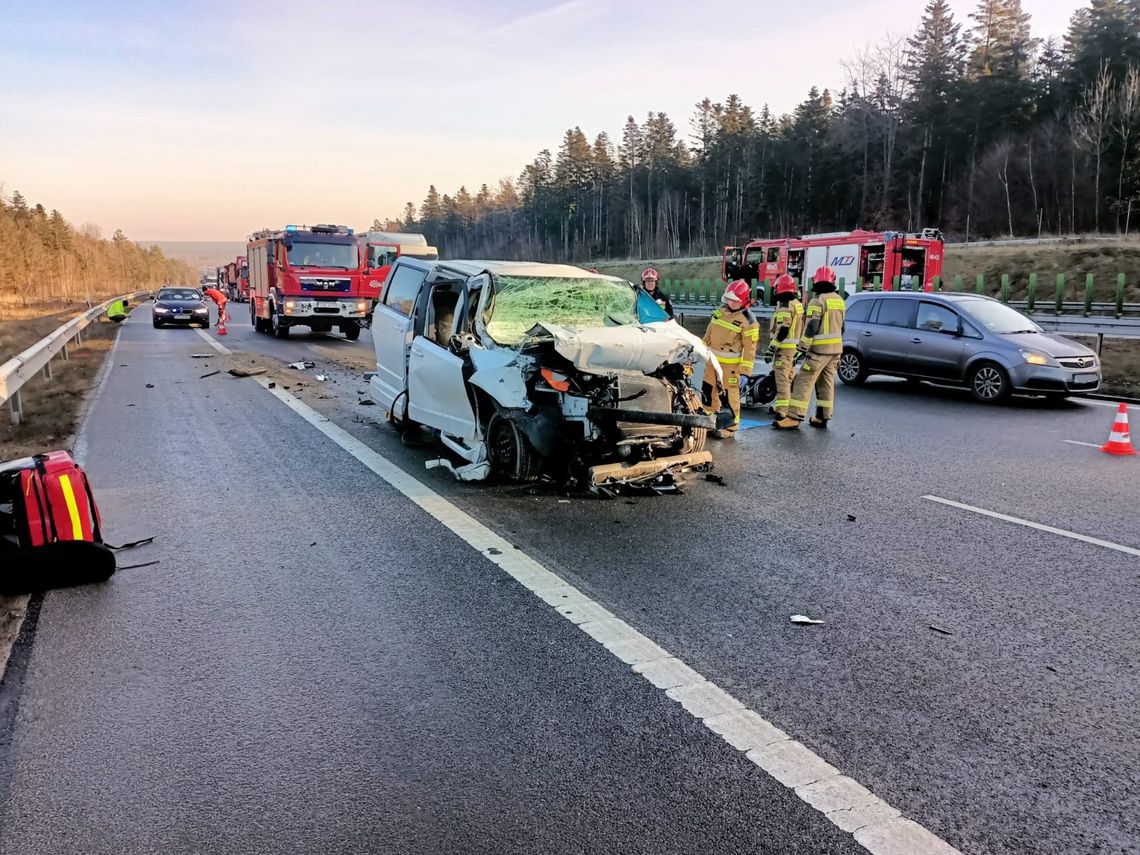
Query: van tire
x=852, y=369
x=989, y=383
x=510, y=452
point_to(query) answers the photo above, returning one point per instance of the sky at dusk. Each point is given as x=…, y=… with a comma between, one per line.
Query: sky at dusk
x=205, y=121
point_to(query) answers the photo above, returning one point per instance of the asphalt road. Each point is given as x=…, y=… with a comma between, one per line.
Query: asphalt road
x=317, y=663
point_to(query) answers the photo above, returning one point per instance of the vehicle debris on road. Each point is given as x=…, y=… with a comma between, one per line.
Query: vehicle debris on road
x=301, y=366
x=248, y=372
x=804, y=620
x=209, y=374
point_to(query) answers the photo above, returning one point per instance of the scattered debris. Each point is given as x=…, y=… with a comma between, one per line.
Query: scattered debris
x=940, y=630
x=369, y=375
x=209, y=374
x=804, y=620
x=851, y=518
x=301, y=366
x=1051, y=668
x=366, y=402
x=715, y=479
x=136, y=566
x=150, y=385
x=251, y=372
x=314, y=543
x=272, y=385
x=130, y=405
x=201, y=356
x=493, y=551
x=467, y=472
x=563, y=501
x=322, y=377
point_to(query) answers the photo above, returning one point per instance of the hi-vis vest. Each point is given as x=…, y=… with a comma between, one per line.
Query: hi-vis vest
x=733, y=336
x=792, y=317
x=830, y=310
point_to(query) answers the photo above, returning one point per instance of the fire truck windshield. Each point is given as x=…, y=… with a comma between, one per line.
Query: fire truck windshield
x=302, y=254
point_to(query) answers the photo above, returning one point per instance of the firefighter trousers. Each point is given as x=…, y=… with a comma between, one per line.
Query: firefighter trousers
x=731, y=388
x=784, y=372
x=818, y=373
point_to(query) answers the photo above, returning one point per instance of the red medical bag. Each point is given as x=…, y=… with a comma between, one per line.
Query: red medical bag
x=46, y=499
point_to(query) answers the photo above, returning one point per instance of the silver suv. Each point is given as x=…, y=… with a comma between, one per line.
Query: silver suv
x=961, y=340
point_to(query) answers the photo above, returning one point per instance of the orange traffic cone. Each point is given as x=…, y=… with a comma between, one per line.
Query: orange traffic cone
x=222, y=325
x=1119, y=441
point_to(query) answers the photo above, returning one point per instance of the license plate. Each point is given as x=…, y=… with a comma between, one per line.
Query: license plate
x=1084, y=378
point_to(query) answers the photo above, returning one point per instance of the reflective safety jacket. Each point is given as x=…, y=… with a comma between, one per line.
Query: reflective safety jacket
x=790, y=318
x=733, y=337
x=823, y=333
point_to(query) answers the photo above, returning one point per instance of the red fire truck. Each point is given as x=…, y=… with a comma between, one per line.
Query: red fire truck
x=305, y=277
x=237, y=279
x=910, y=262
x=378, y=250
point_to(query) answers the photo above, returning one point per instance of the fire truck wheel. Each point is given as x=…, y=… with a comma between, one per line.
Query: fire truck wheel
x=851, y=369
x=352, y=333
x=279, y=327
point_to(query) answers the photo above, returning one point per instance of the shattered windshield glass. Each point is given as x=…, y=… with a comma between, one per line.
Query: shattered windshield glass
x=517, y=303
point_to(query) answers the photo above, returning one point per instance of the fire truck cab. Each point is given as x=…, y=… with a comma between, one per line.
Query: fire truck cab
x=379, y=250
x=305, y=277
x=910, y=262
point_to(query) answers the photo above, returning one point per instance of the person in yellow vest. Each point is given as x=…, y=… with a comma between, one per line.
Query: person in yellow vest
x=117, y=311
x=822, y=344
x=732, y=335
x=787, y=325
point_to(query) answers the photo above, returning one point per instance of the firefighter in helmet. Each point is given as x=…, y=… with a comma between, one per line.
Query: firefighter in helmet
x=822, y=344
x=649, y=283
x=732, y=335
x=787, y=325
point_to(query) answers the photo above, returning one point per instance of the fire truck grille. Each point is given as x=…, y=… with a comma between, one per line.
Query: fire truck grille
x=325, y=285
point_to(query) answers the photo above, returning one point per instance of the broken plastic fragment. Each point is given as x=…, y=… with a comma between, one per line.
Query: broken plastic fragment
x=301, y=366
x=468, y=472
x=804, y=620
x=321, y=377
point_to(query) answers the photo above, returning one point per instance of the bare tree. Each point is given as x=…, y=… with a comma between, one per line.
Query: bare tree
x=1001, y=154
x=1093, y=121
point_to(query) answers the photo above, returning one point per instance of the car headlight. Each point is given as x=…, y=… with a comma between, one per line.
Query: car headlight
x=1035, y=358
x=201, y=311
x=362, y=306
x=161, y=310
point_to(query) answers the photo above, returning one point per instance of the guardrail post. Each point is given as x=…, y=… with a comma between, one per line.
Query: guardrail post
x=980, y=284
x=1005, y=287
x=936, y=284
x=47, y=370
x=16, y=407
x=958, y=282
x=1059, y=296
x=1088, y=294
x=1119, y=294
x=858, y=284
x=1031, y=293
x=878, y=284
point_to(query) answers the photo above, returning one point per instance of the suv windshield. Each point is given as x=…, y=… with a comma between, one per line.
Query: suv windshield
x=517, y=303
x=179, y=295
x=304, y=254
x=997, y=317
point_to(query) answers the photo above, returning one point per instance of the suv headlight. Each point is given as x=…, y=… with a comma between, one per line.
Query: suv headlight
x=1035, y=358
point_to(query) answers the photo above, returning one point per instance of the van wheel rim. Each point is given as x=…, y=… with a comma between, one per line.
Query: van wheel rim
x=848, y=367
x=988, y=383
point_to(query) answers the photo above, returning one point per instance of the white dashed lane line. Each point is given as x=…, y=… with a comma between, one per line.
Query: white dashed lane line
x=1095, y=541
x=878, y=827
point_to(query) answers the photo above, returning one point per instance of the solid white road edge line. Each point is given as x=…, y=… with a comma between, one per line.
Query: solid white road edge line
x=1076, y=442
x=1107, y=544
x=878, y=827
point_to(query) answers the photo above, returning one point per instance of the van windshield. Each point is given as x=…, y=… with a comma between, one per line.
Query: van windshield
x=305, y=254
x=517, y=303
x=997, y=318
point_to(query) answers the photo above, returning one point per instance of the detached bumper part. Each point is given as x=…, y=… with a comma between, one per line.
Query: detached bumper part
x=629, y=473
x=689, y=420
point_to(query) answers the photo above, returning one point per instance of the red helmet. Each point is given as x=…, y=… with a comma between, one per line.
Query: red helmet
x=785, y=285
x=739, y=291
x=824, y=274
x=649, y=273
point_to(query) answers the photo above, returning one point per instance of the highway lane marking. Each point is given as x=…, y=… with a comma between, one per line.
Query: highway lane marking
x=1086, y=444
x=878, y=827
x=1107, y=544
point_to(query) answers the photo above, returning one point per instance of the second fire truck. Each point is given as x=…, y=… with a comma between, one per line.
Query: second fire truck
x=305, y=277
x=907, y=261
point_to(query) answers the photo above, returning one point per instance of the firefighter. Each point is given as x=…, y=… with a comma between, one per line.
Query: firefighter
x=822, y=344
x=732, y=335
x=219, y=298
x=787, y=324
x=649, y=283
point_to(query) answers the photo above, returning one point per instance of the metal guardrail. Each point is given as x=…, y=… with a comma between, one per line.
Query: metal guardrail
x=24, y=366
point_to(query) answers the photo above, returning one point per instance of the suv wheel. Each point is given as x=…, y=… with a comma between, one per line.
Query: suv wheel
x=989, y=383
x=509, y=450
x=851, y=369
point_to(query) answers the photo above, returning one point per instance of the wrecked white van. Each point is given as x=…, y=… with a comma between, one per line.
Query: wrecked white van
x=523, y=368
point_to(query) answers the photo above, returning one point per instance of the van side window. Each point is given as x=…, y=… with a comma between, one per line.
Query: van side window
x=936, y=318
x=403, y=286
x=895, y=313
x=773, y=254
x=859, y=310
